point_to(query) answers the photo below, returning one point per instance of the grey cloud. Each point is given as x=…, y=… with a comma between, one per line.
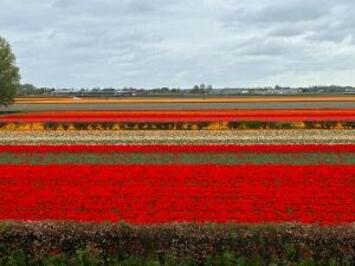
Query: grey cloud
x=62, y=3
x=152, y=43
x=292, y=11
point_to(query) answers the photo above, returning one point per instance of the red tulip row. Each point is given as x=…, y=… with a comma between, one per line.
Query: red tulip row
x=179, y=193
x=181, y=116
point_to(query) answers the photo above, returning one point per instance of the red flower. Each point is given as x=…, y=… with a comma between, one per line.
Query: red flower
x=167, y=193
x=183, y=116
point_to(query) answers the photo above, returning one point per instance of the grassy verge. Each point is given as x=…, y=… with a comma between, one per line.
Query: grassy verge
x=9, y=112
x=177, y=158
x=59, y=243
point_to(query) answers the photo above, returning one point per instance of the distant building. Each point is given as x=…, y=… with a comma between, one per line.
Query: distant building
x=63, y=92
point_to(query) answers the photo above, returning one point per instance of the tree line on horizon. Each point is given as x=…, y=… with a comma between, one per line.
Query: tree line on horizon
x=31, y=90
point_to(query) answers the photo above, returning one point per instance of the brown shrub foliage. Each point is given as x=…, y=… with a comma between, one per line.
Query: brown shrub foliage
x=287, y=242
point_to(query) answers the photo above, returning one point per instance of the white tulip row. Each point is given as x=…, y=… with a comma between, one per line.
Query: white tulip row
x=180, y=137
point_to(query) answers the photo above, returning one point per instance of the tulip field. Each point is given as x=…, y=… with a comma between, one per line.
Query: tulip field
x=208, y=187
x=183, y=116
x=144, y=176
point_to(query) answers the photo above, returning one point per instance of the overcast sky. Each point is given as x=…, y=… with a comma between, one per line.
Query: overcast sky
x=179, y=43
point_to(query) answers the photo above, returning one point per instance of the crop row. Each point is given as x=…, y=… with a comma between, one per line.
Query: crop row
x=180, y=137
x=183, y=116
x=145, y=194
x=163, y=149
x=173, y=158
x=222, y=125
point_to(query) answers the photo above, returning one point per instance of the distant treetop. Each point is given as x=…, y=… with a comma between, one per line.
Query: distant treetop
x=9, y=74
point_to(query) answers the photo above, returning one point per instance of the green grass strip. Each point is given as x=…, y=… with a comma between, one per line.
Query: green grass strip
x=176, y=158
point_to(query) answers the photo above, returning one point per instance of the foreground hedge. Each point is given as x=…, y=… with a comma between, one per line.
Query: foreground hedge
x=176, y=244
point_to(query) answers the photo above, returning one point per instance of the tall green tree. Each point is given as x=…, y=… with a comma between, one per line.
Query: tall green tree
x=9, y=74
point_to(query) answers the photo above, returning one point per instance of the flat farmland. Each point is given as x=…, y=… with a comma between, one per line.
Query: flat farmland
x=179, y=192
x=154, y=167
x=44, y=104
x=160, y=182
x=241, y=99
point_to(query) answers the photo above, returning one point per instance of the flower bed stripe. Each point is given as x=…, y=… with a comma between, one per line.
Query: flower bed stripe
x=296, y=148
x=247, y=137
x=179, y=193
x=182, y=116
x=192, y=126
x=176, y=158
